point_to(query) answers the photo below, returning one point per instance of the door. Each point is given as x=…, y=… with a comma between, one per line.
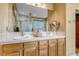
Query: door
x=31, y=49
x=61, y=47
x=53, y=47
x=77, y=30
x=43, y=48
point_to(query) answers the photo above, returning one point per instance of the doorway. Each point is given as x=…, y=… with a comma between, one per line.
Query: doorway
x=77, y=33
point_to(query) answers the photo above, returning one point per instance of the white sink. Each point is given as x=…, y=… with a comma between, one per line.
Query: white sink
x=25, y=37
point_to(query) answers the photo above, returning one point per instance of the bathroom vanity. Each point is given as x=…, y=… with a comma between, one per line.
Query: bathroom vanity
x=36, y=46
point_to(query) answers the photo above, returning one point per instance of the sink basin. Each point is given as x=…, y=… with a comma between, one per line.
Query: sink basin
x=25, y=37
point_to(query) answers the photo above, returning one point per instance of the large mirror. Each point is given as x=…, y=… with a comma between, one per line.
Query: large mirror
x=24, y=17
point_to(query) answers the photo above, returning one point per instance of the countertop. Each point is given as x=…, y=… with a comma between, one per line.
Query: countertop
x=11, y=41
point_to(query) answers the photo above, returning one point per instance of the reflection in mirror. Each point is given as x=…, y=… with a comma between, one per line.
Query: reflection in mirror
x=39, y=23
x=23, y=19
x=18, y=21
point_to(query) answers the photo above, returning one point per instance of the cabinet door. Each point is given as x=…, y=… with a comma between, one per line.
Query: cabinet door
x=13, y=49
x=31, y=49
x=61, y=47
x=0, y=50
x=43, y=48
x=53, y=47
x=13, y=53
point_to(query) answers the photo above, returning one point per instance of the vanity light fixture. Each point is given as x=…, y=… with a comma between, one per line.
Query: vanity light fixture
x=42, y=5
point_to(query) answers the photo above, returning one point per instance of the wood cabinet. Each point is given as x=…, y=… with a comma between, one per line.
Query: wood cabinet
x=43, y=48
x=61, y=47
x=31, y=49
x=13, y=49
x=53, y=47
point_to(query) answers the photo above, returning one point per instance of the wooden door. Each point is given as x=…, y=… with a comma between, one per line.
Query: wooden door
x=61, y=47
x=53, y=47
x=13, y=49
x=31, y=49
x=43, y=48
x=77, y=30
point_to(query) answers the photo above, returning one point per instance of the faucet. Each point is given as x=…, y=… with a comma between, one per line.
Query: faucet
x=7, y=29
x=22, y=33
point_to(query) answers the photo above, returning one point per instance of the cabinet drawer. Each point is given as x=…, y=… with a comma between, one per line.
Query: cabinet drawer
x=61, y=41
x=42, y=42
x=30, y=44
x=13, y=53
x=53, y=45
x=12, y=46
x=53, y=41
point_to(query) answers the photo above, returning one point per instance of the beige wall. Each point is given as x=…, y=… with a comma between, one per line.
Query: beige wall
x=3, y=17
x=70, y=28
x=59, y=15
x=6, y=17
x=11, y=18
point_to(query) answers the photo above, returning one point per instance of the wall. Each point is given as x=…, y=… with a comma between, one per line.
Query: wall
x=70, y=28
x=3, y=19
x=6, y=19
x=59, y=15
x=11, y=18
x=3, y=16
